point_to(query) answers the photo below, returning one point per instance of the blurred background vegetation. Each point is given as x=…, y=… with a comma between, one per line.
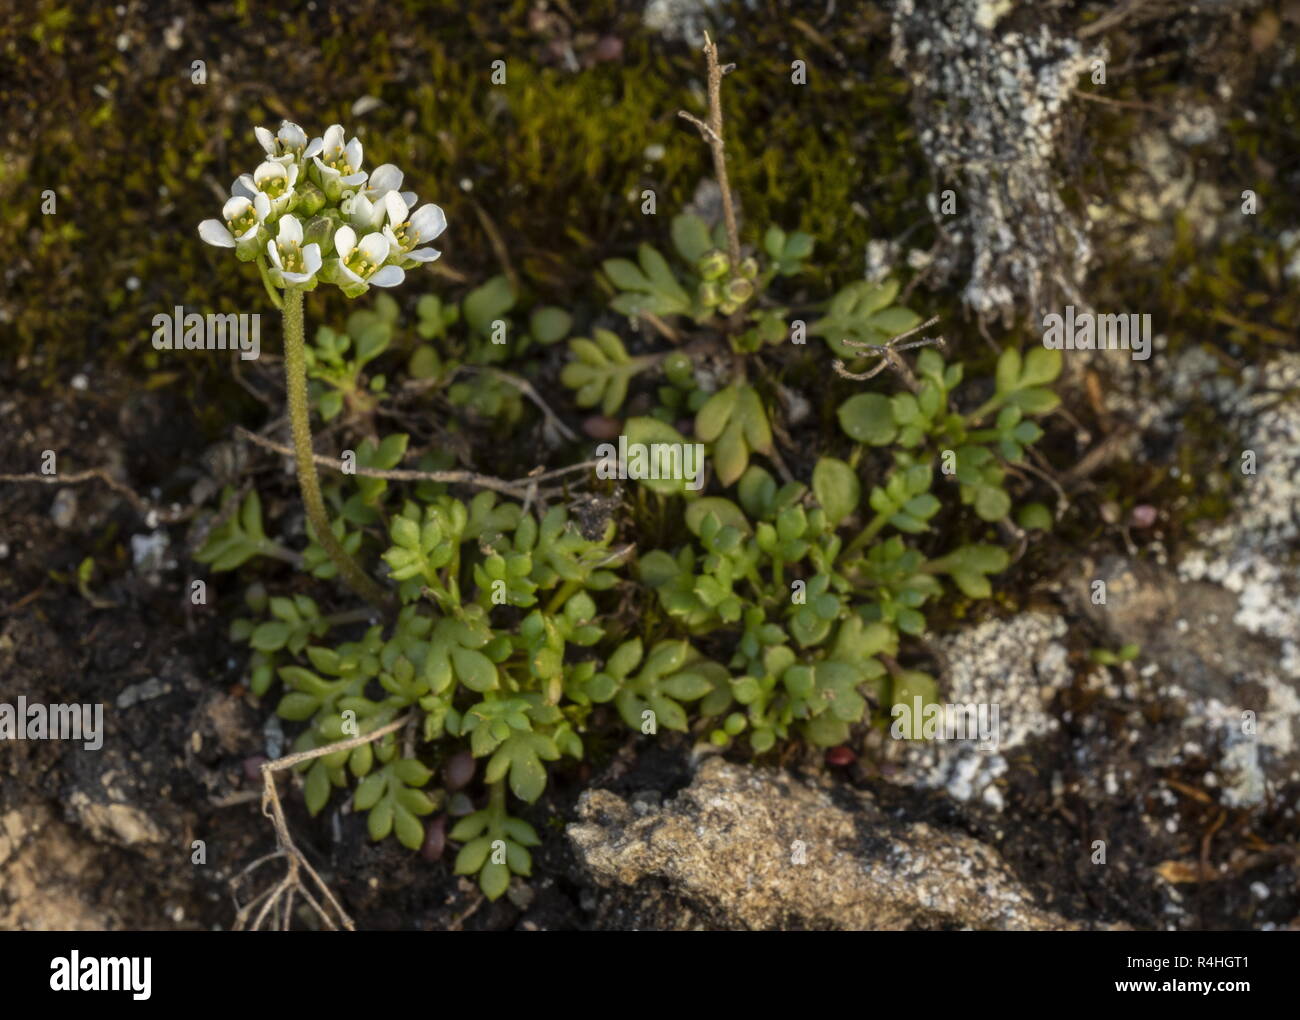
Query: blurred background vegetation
x=545, y=172
x=542, y=177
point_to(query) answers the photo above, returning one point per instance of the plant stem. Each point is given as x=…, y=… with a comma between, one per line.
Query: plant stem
x=712, y=134
x=295, y=380
x=266, y=282
x=866, y=535
x=562, y=595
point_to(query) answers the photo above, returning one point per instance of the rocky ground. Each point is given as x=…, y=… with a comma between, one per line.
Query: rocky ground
x=1157, y=793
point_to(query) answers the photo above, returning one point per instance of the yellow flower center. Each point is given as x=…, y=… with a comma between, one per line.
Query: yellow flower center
x=291, y=256
x=242, y=223
x=359, y=264
x=399, y=232
x=274, y=187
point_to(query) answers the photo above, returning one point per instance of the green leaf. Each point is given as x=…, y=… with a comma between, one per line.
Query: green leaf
x=1034, y=517
x=837, y=488
x=868, y=418
x=485, y=304
x=625, y=275
x=474, y=669
x=1008, y=371
x=716, y=412
x=1035, y=401
x=269, y=636
x=724, y=509
x=991, y=503
x=648, y=431
x=1042, y=366
x=494, y=880
x=690, y=236
x=549, y=324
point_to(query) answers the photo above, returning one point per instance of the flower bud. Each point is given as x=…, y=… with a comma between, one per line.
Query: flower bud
x=321, y=229
x=310, y=200
x=749, y=268
x=713, y=265
x=729, y=307
x=739, y=290
x=709, y=294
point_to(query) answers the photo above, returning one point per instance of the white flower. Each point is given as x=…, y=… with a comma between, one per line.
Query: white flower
x=339, y=165
x=363, y=214
x=295, y=263
x=274, y=180
x=385, y=178
x=405, y=235
x=288, y=145
x=360, y=263
x=243, y=217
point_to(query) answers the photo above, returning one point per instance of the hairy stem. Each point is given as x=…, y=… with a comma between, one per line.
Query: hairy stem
x=295, y=380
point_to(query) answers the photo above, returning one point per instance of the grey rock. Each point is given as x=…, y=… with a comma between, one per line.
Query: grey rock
x=748, y=848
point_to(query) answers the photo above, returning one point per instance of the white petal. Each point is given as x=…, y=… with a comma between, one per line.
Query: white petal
x=345, y=240
x=290, y=230
x=261, y=206
x=389, y=276
x=244, y=186
x=349, y=274
x=375, y=248
x=333, y=140
x=386, y=177
x=423, y=254
x=354, y=153
x=311, y=258
x=409, y=198
x=393, y=242
x=327, y=172
x=235, y=207
x=215, y=232
x=292, y=136
x=268, y=171
x=352, y=180
x=314, y=148
x=292, y=169
x=428, y=222
x=265, y=139
x=395, y=208
x=273, y=250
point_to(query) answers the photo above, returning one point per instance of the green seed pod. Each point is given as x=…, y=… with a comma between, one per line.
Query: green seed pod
x=739, y=290
x=709, y=294
x=713, y=265
x=679, y=369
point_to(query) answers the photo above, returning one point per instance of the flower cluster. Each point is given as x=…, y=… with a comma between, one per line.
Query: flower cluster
x=310, y=213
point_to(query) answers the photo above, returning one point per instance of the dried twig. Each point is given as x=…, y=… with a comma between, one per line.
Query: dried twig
x=142, y=505
x=888, y=352
x=281, y=894
x=517, y=489
x=711, y=132
x=526, y=388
